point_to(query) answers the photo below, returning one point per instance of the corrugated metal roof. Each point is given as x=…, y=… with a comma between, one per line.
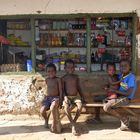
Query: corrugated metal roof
x=23, y=7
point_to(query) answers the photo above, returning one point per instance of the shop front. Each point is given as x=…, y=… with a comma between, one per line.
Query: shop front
x=90, y=39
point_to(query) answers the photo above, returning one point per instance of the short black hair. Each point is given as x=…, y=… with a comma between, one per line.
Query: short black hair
x=69, y=61
x=51, y=65
x=111, y=64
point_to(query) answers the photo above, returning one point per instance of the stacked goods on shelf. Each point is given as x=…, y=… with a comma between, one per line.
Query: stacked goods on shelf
x=108, y=37
x=62, y=33
x=62, y=40
x=59, y=60
x=12, y=67
x=18, y=25
x=17, y=40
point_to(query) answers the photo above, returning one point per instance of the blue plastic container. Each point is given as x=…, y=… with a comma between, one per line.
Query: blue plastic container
x=29, y=65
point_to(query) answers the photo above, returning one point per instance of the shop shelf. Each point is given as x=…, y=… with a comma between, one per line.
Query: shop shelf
x=64, y=31
x=24, y=29
x=112, y=47
x=53, y=31
x=51, y=47
x=26, y=46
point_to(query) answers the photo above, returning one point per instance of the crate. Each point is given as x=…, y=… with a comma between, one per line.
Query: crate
x=12, y=67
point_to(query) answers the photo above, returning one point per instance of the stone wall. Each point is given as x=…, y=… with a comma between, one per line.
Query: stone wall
x=23, y=94
x=19, y=94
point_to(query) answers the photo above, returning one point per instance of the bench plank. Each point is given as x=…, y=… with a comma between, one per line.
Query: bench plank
x=131, y=105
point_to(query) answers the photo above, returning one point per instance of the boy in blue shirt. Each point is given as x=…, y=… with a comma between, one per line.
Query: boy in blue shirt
x=125, y=94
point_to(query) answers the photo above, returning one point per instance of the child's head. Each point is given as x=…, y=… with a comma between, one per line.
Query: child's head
x=51, y=70
x=69, y=66
x=125, y=66
x=111, y=69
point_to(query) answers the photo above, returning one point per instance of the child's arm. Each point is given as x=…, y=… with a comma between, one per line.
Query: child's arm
x=60, y=90
x=64, y=91
x=113, y=83
x=79, y=90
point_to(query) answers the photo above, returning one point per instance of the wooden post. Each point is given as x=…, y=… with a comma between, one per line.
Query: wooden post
x=134, y=44
x=33, y=45
x=88, y=30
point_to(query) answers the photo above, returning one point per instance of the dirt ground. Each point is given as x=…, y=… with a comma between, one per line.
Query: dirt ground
x=24, y=127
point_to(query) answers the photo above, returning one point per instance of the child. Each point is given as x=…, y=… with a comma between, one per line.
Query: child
x=52, y=99
x=125, y=94
x=113, y=81
x=71, y=89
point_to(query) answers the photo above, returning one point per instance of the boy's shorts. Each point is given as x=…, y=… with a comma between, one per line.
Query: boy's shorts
x=72, y=100
x=48, y=100
x=120, y=102
x=115, y=103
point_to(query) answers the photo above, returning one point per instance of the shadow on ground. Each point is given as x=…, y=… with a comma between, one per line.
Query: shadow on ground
x=21, y=129
x=82, y=128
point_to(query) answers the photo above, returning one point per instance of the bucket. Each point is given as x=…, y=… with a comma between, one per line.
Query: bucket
x=29, y=65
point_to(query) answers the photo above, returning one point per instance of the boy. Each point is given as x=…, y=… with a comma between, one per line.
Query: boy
x=52, y=99
x=71, y=89
x=125, y=94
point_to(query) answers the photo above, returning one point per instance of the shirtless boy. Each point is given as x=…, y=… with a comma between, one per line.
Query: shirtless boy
x=53, y=98
x=72, y=91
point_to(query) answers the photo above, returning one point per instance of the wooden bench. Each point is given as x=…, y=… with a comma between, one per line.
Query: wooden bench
x=128, y=108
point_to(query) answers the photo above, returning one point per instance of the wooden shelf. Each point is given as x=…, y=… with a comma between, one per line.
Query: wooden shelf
x=25, y=46
x=75, y=47
x=52, y=31
x=64, y=31
x=25, y=29
x=80, y=63
x=102, y=29
x=111, y=47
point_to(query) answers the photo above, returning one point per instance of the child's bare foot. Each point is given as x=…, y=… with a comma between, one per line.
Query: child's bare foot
x=46, y=125
x=53, y=128
x=58, y=127
x=74, y=132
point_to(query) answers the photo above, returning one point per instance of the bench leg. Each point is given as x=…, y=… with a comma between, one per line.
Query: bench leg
x=139, y=124
x=131, y=112
x=135, y=115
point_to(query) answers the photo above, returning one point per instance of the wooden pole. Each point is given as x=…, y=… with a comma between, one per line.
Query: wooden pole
x=33, y=45
x=88, y=28
x=134, y=44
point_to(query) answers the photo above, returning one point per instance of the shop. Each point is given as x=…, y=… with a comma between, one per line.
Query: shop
x=90, y=40
x=92, y=35
x=46, y=33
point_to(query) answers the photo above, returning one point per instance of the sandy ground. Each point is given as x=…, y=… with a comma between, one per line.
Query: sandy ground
x=25, y=127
